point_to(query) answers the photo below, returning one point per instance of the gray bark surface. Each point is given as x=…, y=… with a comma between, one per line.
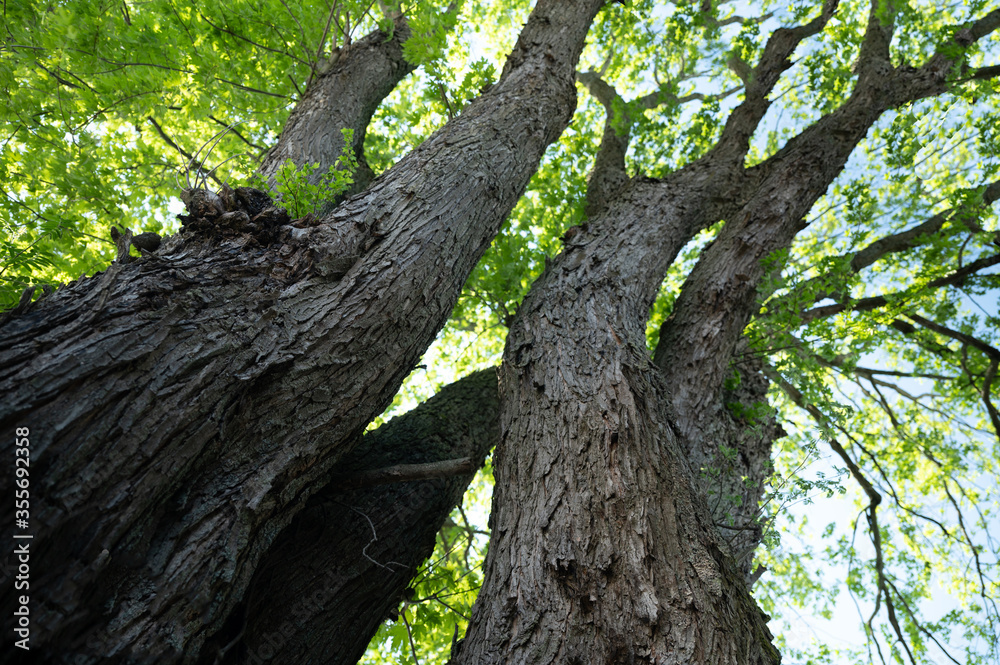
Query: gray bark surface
x=602, y=549
x=344, y=97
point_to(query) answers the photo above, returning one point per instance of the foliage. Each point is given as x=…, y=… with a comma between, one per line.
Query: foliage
x=105, y=104
x=295, y=190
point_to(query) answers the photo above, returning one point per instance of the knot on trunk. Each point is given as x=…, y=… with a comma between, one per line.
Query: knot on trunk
x=228, y=213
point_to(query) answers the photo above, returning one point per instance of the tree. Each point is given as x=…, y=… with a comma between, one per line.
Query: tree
x=196, y=414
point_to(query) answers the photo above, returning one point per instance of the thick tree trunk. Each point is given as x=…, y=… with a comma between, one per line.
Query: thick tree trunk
x=602, y=549
x=616, y=498
x=342, y=565
x=184, y=407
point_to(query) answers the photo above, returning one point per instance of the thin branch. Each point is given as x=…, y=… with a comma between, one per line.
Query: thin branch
x=302, y=32
x=249, y=89
x=250, y=41
x=874, y=302
x=920, y=627
x=987, y=385
x=295, y=85
x=904, y=240
x=191, y=160
x=409, y=634
x=237, y=133
x=874, y=499
x=59, y=79
x=130, y=64
x=968, y=540
x=974, y=342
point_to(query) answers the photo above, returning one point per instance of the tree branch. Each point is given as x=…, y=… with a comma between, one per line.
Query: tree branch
x=401, y=473
x=362, y=567
x=987, y=401
x=874, y=497
x=875, y=302
x=974, y=342
x=760, y=81
x=253, y=43
x=342, y=95
x=608, y=174
x=191, y=161
x=933, y=77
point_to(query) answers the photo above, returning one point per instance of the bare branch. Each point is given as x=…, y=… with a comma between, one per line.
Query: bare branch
x=237, y=133
x=401, y=473
x=191, y=159
x=249, y=89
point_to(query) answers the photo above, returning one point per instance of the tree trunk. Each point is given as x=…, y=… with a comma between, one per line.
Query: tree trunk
x=184, y=407
x=603, y=550
x=342, y=565
x=617, y=478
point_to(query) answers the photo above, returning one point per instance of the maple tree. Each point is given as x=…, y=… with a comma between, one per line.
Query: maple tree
x=659, y=219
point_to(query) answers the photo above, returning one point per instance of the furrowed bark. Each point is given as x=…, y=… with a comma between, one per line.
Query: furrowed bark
x=183, y=408
x=731, y=461
x=343, y=564
x=604, y=546
x=603, y=550
x=344, y=97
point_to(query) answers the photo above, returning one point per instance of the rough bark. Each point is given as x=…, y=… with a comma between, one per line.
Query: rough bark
x=342, y=565
x=183, y=407
x=602, y=551
x=343, y=97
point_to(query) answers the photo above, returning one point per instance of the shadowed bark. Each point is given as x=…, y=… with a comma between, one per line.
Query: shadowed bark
x=342, y=565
